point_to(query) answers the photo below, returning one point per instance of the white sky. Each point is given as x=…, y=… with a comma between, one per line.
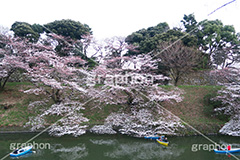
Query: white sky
x=109, y=18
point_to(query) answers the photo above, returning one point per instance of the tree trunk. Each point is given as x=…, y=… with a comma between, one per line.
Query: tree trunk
x=56, y=97
x=4, y=82
x=2, y=85
x=175, y=75
x=176, y=81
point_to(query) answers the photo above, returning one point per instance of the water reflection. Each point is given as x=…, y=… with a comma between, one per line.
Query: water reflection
x=73, y=153
x=138, y=150
x=104, y=142
x=144, y=151
x=105, y=147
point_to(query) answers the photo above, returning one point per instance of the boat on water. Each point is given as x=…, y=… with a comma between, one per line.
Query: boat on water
x=151, y=137
x=233, y=150
x=160, y=141
x=21, y=151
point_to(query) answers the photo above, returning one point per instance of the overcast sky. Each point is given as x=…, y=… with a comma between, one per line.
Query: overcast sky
x=109, y=18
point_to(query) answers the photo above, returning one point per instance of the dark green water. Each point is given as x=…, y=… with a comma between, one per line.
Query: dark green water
x=119, y=147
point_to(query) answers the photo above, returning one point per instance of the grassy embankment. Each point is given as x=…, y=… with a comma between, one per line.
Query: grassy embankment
x=14, y=111
x=193, y=109
x=196, y=110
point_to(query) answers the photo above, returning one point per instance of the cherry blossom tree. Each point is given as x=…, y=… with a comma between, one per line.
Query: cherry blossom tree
x=41, y=64
x=53, y=75
x=5, y=31
x=69, y=122
x=53, y=72
x=58, y=77
x=116, y=46
x=230, y=94
x=123, y=80
x=86, y=42
x=109, y=48
x=130, y=85
x=230, y=98
x=13, y=53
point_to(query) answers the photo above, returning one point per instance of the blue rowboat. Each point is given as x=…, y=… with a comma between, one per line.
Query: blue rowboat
x=233, y=150
x=22, y=151
x=151, y=137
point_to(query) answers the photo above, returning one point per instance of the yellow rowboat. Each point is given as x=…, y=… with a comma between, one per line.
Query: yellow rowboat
x=162, y=143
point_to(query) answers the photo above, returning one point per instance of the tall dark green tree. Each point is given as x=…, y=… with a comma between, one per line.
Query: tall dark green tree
x=71, y=29
x=190, y=23
x=148, y=39
x=214, y=38
x=25, y=30
x=144, y=38
x=68, y=28
x=37, y=28
x=219, y=42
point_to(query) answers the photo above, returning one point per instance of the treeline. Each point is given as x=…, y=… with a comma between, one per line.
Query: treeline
x=196, y=45
x=218, y=43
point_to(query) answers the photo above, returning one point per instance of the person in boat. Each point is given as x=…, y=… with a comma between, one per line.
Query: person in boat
x=16, y=151
x=220, y=149
x=163, y=138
